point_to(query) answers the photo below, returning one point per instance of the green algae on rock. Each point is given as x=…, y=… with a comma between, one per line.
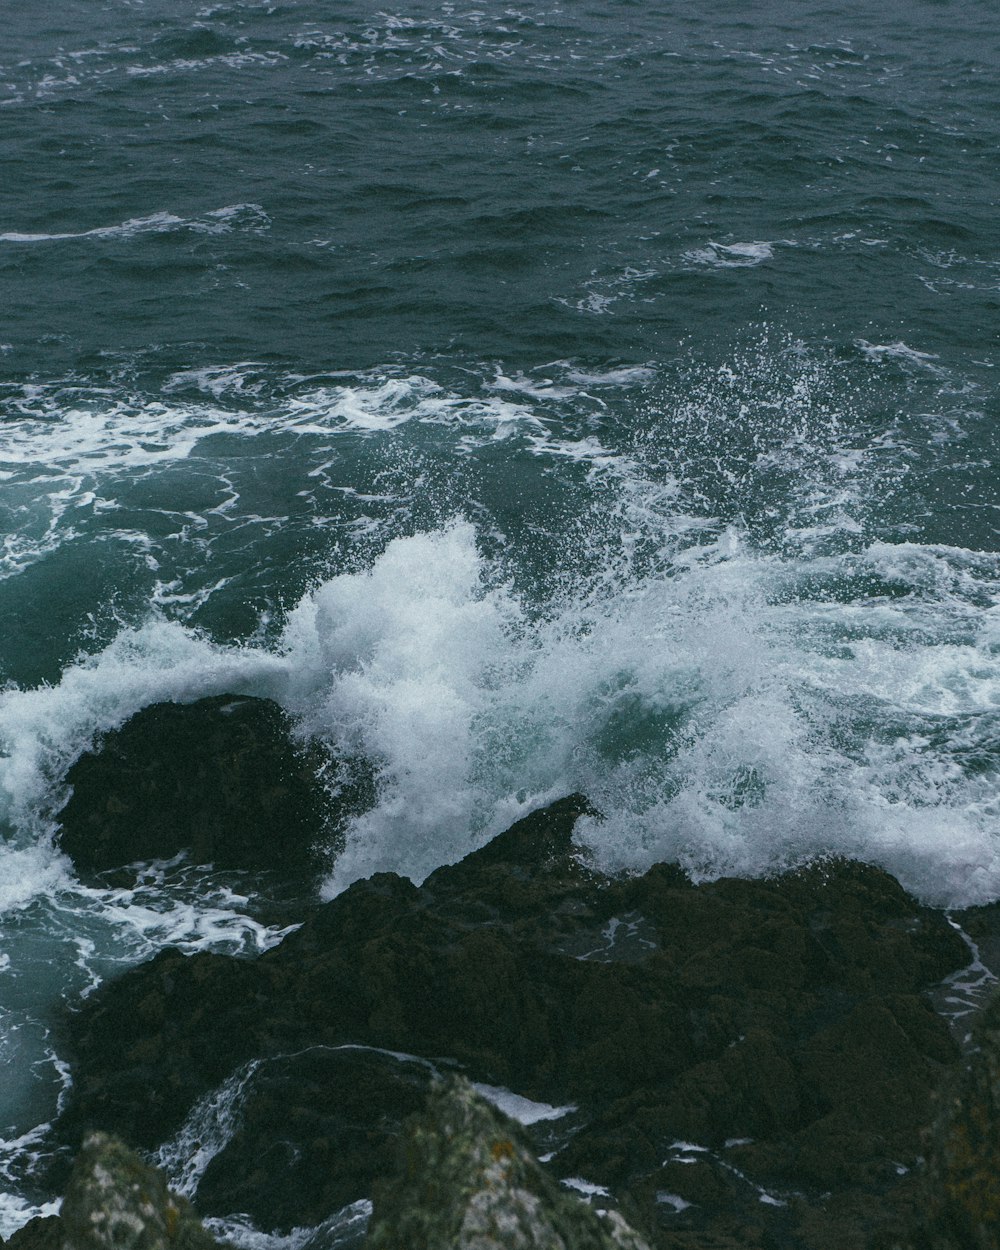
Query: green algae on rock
x=469, y=1181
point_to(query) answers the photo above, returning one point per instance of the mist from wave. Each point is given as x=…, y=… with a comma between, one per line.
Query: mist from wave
x=735, y=712
x=707, y=606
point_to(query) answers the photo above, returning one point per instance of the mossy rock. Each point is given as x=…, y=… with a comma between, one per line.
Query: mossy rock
x=115, y=1201
x=469, y=1181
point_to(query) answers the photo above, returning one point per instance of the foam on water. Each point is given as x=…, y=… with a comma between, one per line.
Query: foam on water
x=734, y=711
x=15, y=1212
x=725, y=713
x=525, y=1110
x=218, y=221
x=75, y=458
x=731, y=255
x=346, y=1226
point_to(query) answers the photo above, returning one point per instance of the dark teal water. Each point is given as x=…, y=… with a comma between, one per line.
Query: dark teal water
x=591, y=397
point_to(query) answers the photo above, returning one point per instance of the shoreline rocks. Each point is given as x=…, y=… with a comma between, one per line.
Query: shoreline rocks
x=115, y=1201
x=960, y=1186
x=219, y=779
x=752, y=1061
x=467, y=1180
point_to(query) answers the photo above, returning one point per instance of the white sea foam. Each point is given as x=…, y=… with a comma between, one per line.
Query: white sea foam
x=727, y=711
x=206, y=1131
x=898, y=351
x=75, y=459
x=587, y=1188
x=70, y=454
x=347, y=1223
x=19, y=1154
x=731, y=255
x=628, y=375
x=15, y=1212
x=736, y=710
x=155, y=223
x=519, y=1108
x=217, y=221
x=396, y=664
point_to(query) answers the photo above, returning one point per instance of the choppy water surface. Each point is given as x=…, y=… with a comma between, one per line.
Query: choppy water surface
x=588, y=397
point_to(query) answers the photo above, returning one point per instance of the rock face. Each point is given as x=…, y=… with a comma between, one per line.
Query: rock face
x=959, y=1206
x=219, y=778
x=752, y=1060
x=469, y=1181
x=44, y=1232
x=114, y=1201
x=312, y=1132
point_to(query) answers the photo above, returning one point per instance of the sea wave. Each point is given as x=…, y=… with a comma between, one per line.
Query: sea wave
x=735, y=712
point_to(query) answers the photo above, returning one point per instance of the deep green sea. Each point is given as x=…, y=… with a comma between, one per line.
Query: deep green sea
x=583, y=396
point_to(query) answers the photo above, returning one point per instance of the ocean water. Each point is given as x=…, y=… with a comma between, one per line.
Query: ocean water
x=530, y=399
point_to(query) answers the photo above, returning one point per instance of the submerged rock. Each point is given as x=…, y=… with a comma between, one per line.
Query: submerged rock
x=752, y=1060
x=468, y=1181
x=219, y=778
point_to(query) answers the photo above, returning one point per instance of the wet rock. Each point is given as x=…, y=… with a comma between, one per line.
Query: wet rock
x=957, y=1204
x=44, y=1232
x=781, y=1027
x=346, y=1105
x=469, y=1181
x=219, y=779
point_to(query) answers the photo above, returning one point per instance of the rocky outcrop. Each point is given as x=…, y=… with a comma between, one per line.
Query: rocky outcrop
x=44, y=1232
x=468, y=1181
x=752, y=1060
x=312, y=1132
x=115, y=1201
x=219, y=779
x=957, y=1203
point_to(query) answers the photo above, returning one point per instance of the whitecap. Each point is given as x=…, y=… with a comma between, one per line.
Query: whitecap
x=216, y=221
x=240, y=1231
x=898, y=351
x=731, y=255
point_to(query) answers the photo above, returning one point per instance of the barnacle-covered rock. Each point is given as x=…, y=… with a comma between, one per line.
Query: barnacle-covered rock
x=115, y=1201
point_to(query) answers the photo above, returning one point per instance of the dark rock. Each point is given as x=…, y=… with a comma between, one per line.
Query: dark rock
x=44, y=1232
x=468, y=1181
x=219, y=779
x=788, y=1014
x=347, y=1104
x=957, y=1202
